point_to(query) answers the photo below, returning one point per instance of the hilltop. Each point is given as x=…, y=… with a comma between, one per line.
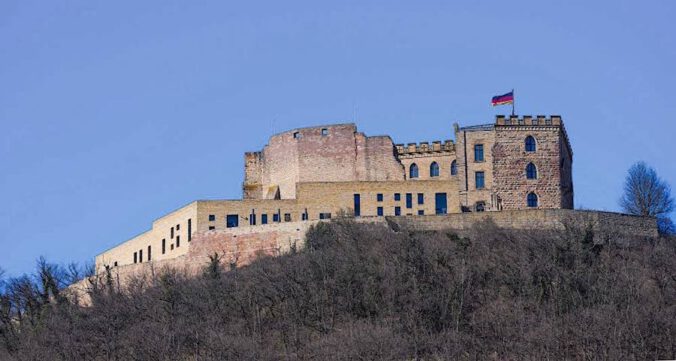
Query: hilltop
x=363, y=291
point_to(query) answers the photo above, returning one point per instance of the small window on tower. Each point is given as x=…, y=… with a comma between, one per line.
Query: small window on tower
x=325, y=132
x=212, y=217
x=296, y=135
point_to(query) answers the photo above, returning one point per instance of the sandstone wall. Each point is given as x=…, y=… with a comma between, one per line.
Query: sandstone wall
x=511, y=159
x=332, y=153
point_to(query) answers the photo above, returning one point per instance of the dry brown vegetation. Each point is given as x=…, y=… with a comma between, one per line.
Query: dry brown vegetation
x=361, y=291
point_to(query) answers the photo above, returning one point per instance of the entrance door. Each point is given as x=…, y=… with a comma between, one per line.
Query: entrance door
x=440, y=206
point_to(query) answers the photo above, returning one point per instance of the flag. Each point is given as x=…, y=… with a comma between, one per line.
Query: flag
x=503, y=99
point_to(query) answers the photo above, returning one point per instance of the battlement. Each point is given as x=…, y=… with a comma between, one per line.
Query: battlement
x=425, y=147
x=538, y=120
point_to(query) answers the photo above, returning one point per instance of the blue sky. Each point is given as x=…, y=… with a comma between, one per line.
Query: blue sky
x=115, y=113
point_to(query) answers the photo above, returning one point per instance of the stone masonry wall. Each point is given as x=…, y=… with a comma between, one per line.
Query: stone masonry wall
x=510, y=161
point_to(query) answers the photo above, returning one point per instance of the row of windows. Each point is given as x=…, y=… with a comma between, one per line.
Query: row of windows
x=232, y=220
x=414, y=172
x=138, y=256
x=397, y=197
x=298, y=135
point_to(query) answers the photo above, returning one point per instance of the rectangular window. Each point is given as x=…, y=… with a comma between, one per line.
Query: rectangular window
x=324, y=215
x=380, y=211
x=164, y=246
x=480, y=206
x=178, y=227
x=409, y=200
x=325, y=132
x=479, y=180
x=275, y=217
x=357, y=205
x=440, y=203
x=140, y=256
x=397, y=211
x=252, y=219
x=478, y=152
x=212, y=218
x=304, y=215
x=211, y=228
x=172, y=232
x=178, y=241
x=149, y=257
x=135, y=257
x=172, y=247
x=296, y=135
x=264, y=219
x=379, y=197
x=421, y=212
x=397, y=196
x=232, y=220
x=421, y=198
x=189, y=230
x=287, y=217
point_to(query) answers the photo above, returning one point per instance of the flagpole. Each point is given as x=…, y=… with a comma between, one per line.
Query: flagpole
x=513, y=101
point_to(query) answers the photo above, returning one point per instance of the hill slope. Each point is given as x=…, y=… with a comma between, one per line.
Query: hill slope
x=361, y=291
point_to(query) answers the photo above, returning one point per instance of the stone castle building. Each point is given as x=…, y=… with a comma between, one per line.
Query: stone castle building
x=308, y=174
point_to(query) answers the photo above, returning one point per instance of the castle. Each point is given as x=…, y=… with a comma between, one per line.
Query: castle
x=309, y=174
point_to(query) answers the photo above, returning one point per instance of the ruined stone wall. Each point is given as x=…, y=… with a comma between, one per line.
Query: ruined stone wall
x=566, y=165
x=253, y=173
x=511, y=158
x=332, y=153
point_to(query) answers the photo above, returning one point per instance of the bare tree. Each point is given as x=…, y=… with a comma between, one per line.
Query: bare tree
x=646, y=194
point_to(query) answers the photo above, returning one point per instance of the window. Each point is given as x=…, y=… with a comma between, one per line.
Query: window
x=440, y=203
x=454, y=168
x=212, y=218
x=421, y=198
x=164, y=246
x=480, y=206
x=135, y=257
x=172, y=232
x=172, y=247
x=478, y=152
x=530, y=144
x=211, y=228
x=178, y=227
x=357, y=205
x=409, y=200
x=379, y=211
x=115, y=264
x=434, y=169
x=149, y=257
x=421, y=212
x=189, y=230
x=324, y=215
x=178, y=241
x=140, y=256
x=296, y=135
x=325, y=132
x=379, y=197
x=264, y=219
x=479, y=180
x=275, y=217
x=287, y=217
x=397, y=196
x=413, y=171
x=397, y=211
x=532, y=200
x=252, y=218
x=232, y=220
x=531, y=171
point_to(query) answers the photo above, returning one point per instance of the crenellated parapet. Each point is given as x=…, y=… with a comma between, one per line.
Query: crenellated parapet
x=425, y=147
x=538, y=120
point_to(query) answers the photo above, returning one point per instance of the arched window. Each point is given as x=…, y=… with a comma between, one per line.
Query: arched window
x=530, y=144
x=413, y=171
x=434, y=169
x=454, y=168
x=531, y=171
x=532, y=200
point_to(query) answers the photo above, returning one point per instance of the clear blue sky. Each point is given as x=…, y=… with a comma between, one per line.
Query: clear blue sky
x=114, y=113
